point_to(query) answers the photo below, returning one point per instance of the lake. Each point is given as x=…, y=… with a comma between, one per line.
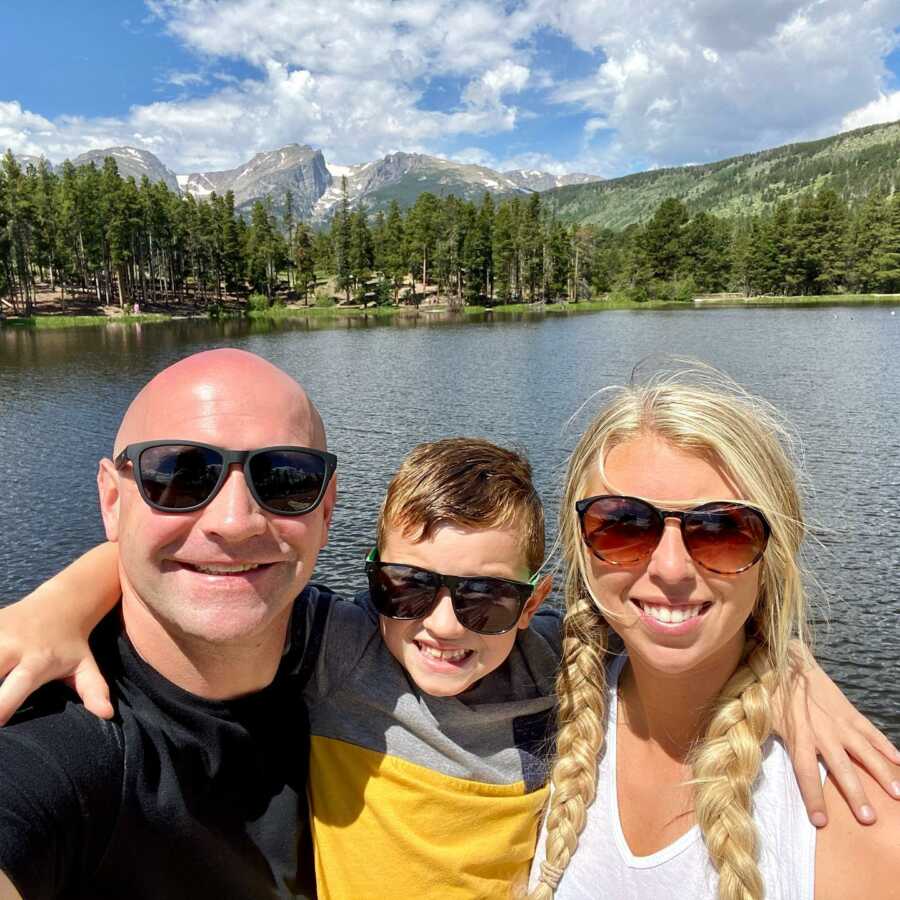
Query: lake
x=382, y=387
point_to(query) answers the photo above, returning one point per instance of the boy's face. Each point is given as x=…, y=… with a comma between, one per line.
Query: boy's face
x=440, y=655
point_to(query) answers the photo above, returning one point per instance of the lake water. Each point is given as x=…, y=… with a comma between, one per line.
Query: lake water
x=835, y=372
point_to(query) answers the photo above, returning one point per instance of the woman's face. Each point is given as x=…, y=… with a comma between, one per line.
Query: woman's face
x=641, y=600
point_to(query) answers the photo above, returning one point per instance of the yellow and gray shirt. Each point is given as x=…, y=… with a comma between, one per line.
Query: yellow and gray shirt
x=413, y=796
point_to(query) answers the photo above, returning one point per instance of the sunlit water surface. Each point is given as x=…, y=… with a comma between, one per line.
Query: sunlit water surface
x=835, y=372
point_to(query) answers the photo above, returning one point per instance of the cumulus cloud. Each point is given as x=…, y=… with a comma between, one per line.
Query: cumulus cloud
x=690, y=80
x=712, y=78
x=886, y=108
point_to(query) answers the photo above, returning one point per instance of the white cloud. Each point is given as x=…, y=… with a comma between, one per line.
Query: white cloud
x=712, y=78
x=885, y=109
x=688, y=80
x=507, y=77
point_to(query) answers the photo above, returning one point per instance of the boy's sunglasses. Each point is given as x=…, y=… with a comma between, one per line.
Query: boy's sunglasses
x=482, y=604
x=725, y=537
x=183, y=476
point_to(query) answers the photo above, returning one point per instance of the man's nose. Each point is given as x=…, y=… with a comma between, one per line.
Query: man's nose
x=233, y=514
x=442, y=621
x=670, y=560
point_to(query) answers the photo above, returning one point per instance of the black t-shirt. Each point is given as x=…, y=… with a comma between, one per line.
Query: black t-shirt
x=177, y=796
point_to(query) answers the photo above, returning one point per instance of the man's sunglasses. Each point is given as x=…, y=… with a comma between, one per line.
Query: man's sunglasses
x=183, y=476
x=482, y=604
x=725, y=537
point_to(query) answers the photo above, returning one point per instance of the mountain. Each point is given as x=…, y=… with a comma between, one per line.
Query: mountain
x=316, y=187
x=131, y=162
x=535, y=180
x=295, y=168
x=853, y=164
x=403, y=176
x=24, y=160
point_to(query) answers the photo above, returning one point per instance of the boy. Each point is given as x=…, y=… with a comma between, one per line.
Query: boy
x=430, y=739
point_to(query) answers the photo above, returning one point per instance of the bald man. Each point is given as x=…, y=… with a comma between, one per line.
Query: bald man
x=196, y=787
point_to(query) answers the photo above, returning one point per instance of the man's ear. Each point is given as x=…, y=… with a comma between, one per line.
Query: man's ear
x=110, y=497
x=328, y=508
x=538, y=596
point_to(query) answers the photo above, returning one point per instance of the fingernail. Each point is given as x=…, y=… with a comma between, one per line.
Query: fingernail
x=819, y=819
x=895, y=789
x=867, y=813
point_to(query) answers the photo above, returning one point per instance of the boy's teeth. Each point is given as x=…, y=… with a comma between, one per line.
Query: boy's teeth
x=225, y=570
x=449, y=655
x=672, y=615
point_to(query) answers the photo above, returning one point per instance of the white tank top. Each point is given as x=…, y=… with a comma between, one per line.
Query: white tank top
x=603, y=866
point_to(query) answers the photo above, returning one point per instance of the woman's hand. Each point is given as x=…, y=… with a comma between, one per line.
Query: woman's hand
x=815, y=719
x=45, y=635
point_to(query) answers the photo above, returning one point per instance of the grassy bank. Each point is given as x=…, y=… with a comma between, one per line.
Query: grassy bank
x=82, y=321
x=389, y=312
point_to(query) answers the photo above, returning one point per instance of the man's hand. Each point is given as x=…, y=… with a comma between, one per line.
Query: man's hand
x=815, y=719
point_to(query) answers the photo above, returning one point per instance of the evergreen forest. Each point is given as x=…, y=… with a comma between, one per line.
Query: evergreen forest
x=85, y=232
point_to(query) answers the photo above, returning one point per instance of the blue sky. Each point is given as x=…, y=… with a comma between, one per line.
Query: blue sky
x=564, y=85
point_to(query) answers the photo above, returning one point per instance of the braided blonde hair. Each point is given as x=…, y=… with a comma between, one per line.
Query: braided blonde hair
x=703, y=413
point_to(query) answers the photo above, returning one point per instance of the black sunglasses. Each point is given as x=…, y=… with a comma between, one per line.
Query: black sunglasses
x=483, y=604
x=183, y=476
x=725, y=537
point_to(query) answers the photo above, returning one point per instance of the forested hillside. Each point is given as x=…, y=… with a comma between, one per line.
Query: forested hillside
x=854, y=165
x=89, y=233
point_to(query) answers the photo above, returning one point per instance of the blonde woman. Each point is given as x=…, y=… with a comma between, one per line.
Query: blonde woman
x=681, y=527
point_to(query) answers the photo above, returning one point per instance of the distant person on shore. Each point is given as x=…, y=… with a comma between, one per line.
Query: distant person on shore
x=429, y=699
x=681, y=528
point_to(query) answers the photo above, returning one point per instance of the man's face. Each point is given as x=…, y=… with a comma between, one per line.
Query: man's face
x=229, y=571
x=442, y=656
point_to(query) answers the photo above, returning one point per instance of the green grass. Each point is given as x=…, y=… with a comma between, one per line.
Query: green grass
x=44, y=322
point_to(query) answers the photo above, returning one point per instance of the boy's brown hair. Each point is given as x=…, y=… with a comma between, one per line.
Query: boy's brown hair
x=469, y=482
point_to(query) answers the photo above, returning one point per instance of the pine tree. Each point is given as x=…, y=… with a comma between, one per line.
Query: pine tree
x=866, y=240
x=421, y=233
x=395, y=256
x=341, y=238
x=662, y=240
x=304, y=260
x=361, y=253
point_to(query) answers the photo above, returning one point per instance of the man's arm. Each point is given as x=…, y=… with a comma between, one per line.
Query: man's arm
x=7, y=889
x=853, y=860
x=61, y=772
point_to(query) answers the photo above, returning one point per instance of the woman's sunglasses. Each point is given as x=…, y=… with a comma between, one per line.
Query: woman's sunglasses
x=183, y=476
x=482, y=604
x=725, y=537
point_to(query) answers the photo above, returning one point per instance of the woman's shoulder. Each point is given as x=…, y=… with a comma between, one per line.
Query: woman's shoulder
x=854, y=860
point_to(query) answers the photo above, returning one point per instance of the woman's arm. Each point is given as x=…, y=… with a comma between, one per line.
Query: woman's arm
x=45, y=635
x=814, y=718
x=852, y=861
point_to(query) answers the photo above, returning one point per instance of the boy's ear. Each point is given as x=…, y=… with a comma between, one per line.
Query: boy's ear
x=538, y=596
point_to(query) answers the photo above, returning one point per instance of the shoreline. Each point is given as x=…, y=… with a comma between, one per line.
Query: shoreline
x=52, y=321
